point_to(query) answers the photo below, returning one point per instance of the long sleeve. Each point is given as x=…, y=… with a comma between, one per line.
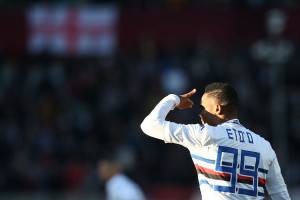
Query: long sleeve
x=275, y=183
x=155, y=125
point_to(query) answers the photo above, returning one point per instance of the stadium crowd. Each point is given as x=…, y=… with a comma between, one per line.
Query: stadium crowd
x=146, y=4
x=59, y=115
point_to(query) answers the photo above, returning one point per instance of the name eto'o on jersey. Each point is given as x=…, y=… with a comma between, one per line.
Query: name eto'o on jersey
x=239, y=135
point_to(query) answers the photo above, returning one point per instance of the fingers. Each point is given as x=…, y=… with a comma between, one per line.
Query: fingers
x=191, y=103
x=191, y=93
x=185, y=102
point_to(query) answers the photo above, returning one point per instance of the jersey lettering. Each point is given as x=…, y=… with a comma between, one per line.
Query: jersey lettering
x=239, y=135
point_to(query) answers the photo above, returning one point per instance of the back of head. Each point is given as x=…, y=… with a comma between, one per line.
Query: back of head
x=226, y=95
x=109, y=165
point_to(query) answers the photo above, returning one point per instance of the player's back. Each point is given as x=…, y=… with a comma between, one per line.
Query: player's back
x=232, y=163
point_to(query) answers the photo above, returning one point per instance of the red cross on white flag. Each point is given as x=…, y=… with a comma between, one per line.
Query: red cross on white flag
x=64, y=30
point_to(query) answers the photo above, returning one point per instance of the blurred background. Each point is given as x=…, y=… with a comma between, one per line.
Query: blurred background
x=77, y=77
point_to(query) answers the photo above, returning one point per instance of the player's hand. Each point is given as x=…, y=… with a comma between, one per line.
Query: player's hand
x=185, y=101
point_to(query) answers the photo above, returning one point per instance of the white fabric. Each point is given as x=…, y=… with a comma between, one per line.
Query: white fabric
x=120, y=187
x=67, y=30
x=206, y=142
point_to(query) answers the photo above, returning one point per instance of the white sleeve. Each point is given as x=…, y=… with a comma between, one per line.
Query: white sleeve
x=156, y=126
x=275, y=184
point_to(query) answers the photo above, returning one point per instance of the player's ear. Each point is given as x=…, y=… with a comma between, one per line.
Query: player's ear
x=219, y=109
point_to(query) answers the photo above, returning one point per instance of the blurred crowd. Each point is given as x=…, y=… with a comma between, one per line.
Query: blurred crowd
x=177, y=4
x=59, y=115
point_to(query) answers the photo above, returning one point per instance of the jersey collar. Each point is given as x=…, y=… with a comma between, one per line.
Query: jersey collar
x=235, y=121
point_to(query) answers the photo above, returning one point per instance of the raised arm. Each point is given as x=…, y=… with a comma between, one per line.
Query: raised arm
x=155, y=124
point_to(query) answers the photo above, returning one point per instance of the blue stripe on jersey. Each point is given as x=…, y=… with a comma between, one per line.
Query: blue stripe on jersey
x=203, y=181
x=265, y=171
x=203, y=159
x=261, y=194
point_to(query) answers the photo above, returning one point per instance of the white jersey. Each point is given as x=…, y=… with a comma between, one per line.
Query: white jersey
x=232, y=161
x=120, y=187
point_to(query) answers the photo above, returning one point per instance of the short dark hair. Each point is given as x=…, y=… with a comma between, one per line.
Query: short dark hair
x=226, y=94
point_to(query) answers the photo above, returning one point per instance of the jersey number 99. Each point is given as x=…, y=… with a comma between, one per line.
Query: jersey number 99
x=231, y=168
